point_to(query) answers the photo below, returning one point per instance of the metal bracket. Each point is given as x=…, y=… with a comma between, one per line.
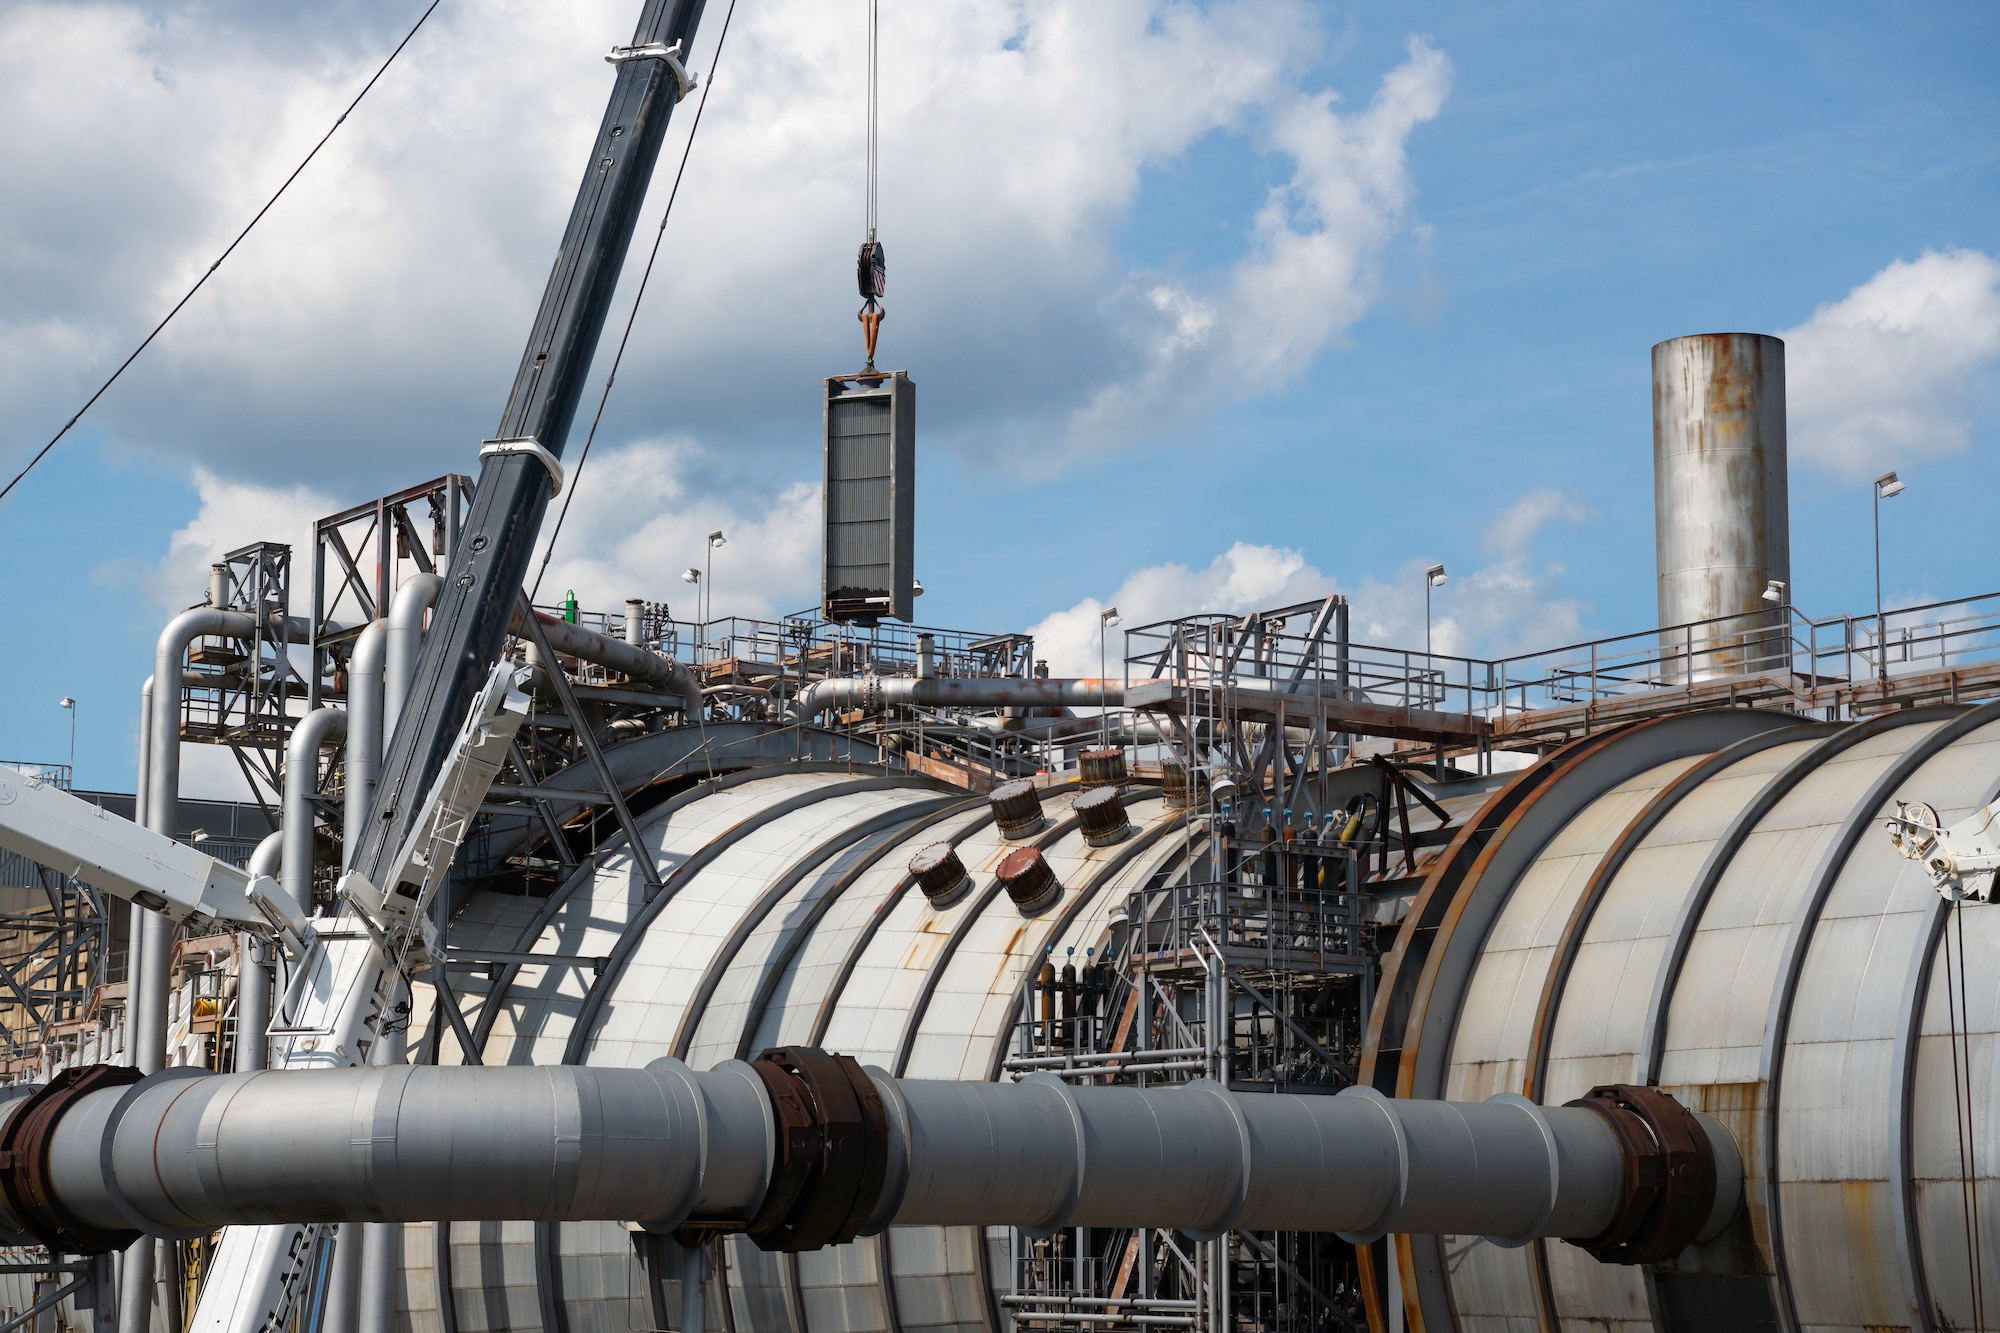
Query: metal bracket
x=1960, y=860
x=684, y=82
x=528, y=446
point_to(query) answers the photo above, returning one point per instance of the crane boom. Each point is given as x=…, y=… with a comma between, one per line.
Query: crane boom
x=520, y=467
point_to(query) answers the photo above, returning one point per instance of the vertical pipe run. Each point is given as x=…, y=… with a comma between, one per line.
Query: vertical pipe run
x=417, y=595
x=253, y=975
x=366, y=702
x=301, y=780
x=381, y=1243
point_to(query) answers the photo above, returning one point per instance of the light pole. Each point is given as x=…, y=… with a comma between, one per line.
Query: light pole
x=693, y=575
x=1886, y=488
x=68, y=705
x=1105, y=620
x=715, y=539
x=1434, y=577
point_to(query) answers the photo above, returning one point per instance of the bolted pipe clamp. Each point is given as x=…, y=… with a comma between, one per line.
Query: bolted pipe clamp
x=24, y=1162
x=489, y=448
x=684, y=82
x=1669, y=1181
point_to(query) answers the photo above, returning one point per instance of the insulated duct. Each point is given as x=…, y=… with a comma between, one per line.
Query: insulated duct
x=873, y=693
x=640, y=664
x=803, y=1149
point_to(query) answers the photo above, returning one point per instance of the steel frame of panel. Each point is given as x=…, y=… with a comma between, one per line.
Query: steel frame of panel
x=782, y=963
x=1556, y=982
x=1589, y=769
x=547, y=1254
x=1860, y=819
x=1396, y=988
x=1660, y=1005
x=888, y=821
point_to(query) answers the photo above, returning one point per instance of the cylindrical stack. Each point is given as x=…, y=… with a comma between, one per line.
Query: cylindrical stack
x=1719, y=496
x=1028, y=879
x=1175, y=786
x=1017, y=809
x=940, y=874
x=1101, y=815
x=1101, y=768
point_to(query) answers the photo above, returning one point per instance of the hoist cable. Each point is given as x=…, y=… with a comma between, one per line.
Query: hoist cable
x=209, y=272
x=1968, y=1130
x=569, y=493
x=874, y=40
x=1957, y=1036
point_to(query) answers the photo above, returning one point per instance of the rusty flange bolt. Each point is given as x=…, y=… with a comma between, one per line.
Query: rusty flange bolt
x=1669, y=1183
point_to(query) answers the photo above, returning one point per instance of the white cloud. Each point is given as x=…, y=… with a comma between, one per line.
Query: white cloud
x=1244, y=577
x=372, y=322
x=1509, y=604
x=634, y=526
x=234, y=514
x=1887, y=373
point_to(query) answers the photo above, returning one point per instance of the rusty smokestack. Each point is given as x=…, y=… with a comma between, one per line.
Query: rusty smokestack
x=1722, y=527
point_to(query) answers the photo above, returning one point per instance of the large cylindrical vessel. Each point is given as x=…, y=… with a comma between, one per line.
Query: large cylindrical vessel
x=1719, y=496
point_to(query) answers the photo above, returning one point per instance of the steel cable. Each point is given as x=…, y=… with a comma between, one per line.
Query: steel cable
x=209, y=272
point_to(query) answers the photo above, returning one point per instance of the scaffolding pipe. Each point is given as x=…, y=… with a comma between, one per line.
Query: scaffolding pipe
x=639, y=664
x=413, y=600
x=872, y=694
x=301, y=782
x=665, y=1146
x=366, y=706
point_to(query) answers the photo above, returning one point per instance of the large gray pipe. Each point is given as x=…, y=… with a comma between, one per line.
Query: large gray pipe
x=315, y=729
x=417, y=595
x=640, y=664
x=1720, y=505
x=366, y=706
x=664, y=1145
x=874, y=693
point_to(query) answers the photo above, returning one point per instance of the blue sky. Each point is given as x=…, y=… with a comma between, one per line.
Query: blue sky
x=1462, y=376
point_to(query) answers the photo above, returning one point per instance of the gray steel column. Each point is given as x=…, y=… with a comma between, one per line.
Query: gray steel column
x=343, y=1280
x=382, y=1242
x=135, y=1265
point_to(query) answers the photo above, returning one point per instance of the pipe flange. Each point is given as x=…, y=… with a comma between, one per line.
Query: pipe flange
x=24, y=1162
x=108, y=1169
x=1379, y=1227
x=1220, y=1226
x=1668, y=1184
x=1536, y=1114
x=1051, y=1225
x=679, y=1089
x=833, y=1149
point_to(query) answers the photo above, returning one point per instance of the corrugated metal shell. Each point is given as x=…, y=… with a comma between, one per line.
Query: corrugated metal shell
x=858, y=1003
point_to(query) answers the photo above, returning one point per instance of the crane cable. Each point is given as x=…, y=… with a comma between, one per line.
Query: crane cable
x=871, y=271
x=1958, y=1019
x=209, y=272
x=569, y=492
